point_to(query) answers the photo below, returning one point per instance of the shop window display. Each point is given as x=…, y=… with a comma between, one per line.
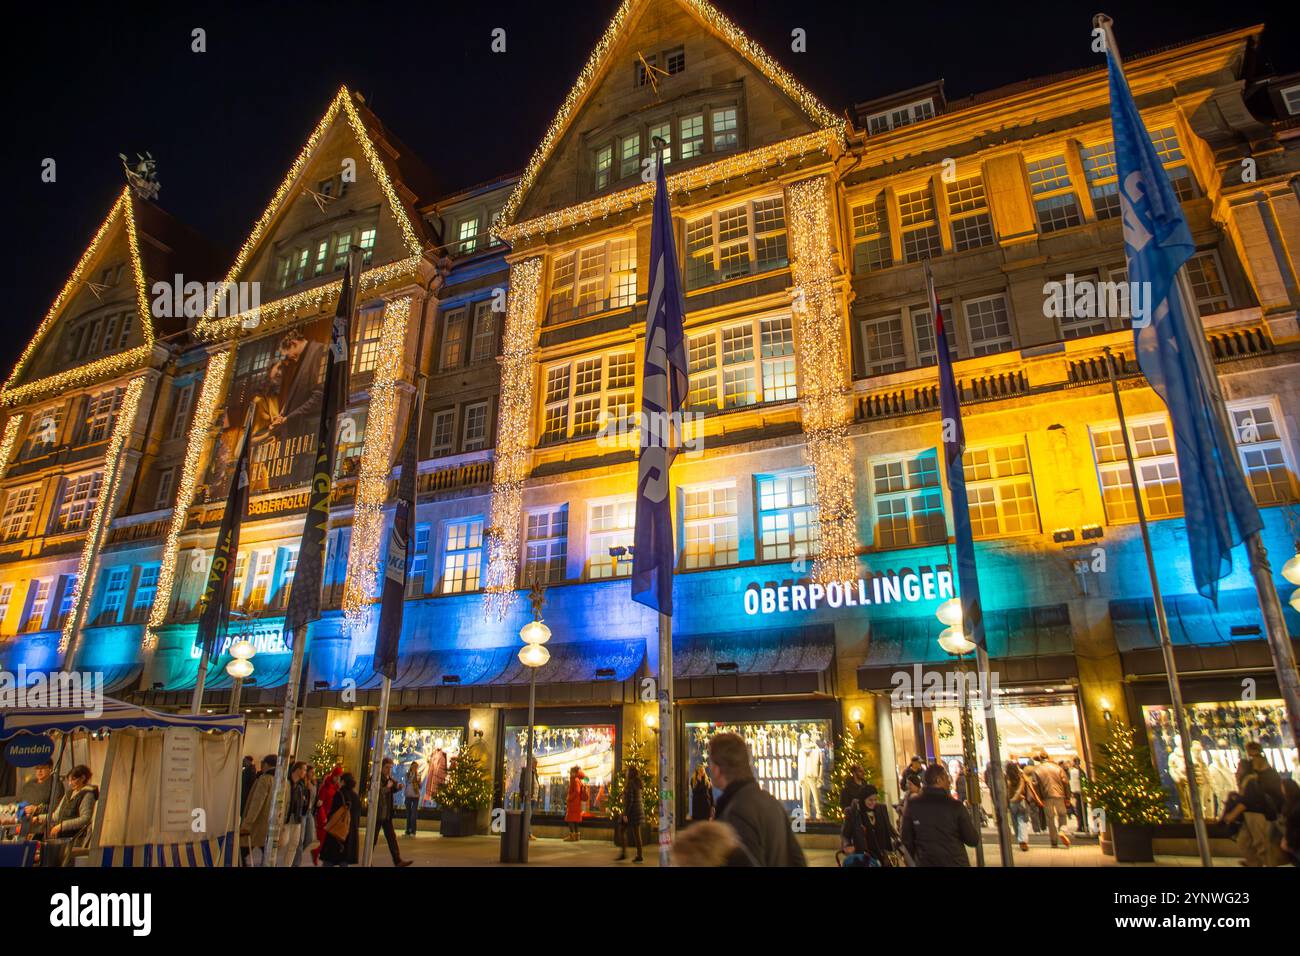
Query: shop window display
x=792, y=758
x=556, y=749
x=1220, y=732
x=432, y=748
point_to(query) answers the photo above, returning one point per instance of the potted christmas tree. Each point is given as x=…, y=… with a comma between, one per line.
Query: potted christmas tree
x=1126, y=787
x=847, y=754
x=465, y=797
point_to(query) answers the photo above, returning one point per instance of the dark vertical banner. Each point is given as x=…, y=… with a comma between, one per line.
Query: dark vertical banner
x=304, y=593
x=398, y=561
x=216, y=593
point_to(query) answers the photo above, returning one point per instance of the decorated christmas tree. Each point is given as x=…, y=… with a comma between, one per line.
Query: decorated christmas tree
x=324, y=757
x=847, y=754
x=638, y=755
x=1124, y=782
x=467, y=786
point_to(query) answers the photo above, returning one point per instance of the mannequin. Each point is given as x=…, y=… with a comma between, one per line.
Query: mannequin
x=1178, y=771
x=810, y=776
x=1203, y=787
x=1222, y=775
x=436, y=774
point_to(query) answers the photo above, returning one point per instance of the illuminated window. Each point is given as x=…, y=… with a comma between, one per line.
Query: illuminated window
x=602, y=162
x=968, y=207
x=546, y=546
x=1000, y=491
x=580, y=397
x=67, y=598
x=1157, y=468
x=163, y=496
x=1054, y=199
x=476, y=427
x=146, y=589
x=467, y=235
x=417, y=576
x=236, y=580
x=898, y=116
x=116, y=581
x=1263, y=456
x=453, y=340
x=908, y=501
x=462, y=558
x=43, y=431
x=919, y=225
x=38, y=603
x=725, y=128
x=444, y=433
x=871, y=248
x=367, y=245
x=483, y=344
x=77, y=500
x=629, y=155
x=6, y=595
x=1165, y=140
x=342, y=248
x=322, y=254
x=365, y=351
x=735, y=381
x=611, y=525
x=101, y=412
x=732, y=243
x=20, y=504
x=263, y=566
x=663, y=131
x=596, y=279
x=927, y=351
x=710, y=528
x=692, y=141
x=300, y=266
x=788, y=521
x=883, y=349
x=1103, y=183
x=988, y=325
x=1206, y=278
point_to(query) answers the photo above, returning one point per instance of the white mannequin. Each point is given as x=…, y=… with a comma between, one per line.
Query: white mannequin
x=1178, y=771
x=810, y=777
x=1203, y=780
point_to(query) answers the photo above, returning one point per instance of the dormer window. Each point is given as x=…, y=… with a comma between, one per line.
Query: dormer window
x=326, y=187
x=691, y=131
x=900, y=116
x=467, y=235
x=675, y=61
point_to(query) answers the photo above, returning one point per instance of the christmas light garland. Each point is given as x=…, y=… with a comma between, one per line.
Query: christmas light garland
x=105, y=506
x=375, y=466
x=205, y=408
x=13, y=427
x=109, y=365
x=716, y=23
x=698, y=177
x=210, y=327
x=514, y=435
x=823, y=378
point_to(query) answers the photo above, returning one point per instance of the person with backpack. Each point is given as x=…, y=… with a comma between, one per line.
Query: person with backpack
x=341, y=844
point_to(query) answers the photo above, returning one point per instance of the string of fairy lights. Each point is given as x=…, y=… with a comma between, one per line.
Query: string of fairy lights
x=375, y=466
x=514, y=428
x=88, y=373
x=713, y=20
x=105, y=506
x=822, y=389
x=13, y=427
x=205, y=409
x=211, y=327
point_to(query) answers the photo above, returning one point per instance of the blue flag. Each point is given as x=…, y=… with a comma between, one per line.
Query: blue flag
x=664, y=383
x=1217, y=504
x=954, y=447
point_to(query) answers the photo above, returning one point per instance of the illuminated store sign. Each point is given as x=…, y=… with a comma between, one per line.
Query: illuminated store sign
x=265, y=641
x=907, y=587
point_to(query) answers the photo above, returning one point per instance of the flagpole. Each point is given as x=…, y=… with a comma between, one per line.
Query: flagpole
x=1162, y=623
x=379, y=747
x=667, y=803
x=1270, y=603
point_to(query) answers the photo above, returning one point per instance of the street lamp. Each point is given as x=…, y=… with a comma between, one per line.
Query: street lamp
x=532, y=655
x=954, y=641
x=240, y=667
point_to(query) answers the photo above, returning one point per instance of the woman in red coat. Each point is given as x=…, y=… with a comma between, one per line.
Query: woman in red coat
x=324, y=800
x=573, y=802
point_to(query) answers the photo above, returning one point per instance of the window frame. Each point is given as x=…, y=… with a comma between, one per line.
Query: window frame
x=999, y=483
x=712, y=521
x=608, y=393
x=757, y=362
x=922, y=526
x=716, y=244
x=1119, y=467
x=786, y=547
x=1281, y=444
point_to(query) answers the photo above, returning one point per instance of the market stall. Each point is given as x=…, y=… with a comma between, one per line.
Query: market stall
x=168, y=784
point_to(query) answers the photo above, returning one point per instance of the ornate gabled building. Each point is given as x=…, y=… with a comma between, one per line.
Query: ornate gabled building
x=814, y=530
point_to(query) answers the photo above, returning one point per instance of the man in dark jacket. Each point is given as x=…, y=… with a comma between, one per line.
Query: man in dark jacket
x=758, y=819
x=855, y=787
x=936, y=829
x=388, y=785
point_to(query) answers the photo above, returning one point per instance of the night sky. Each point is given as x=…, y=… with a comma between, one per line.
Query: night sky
x=224, y=125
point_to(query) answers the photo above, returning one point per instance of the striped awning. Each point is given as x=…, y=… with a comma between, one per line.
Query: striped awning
x=115, y=715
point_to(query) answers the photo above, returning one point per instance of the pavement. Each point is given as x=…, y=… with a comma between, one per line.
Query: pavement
x=431, y=849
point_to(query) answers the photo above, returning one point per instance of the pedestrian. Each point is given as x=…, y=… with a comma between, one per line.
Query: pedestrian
x=411, y=794
x=74, y=812
x=573, y=801
x=246, y=777
x=759, y=820
x=339, y=848
x=936, y=829
x=854, y=787
x=1077, y=779
x=324, y=801
x=1052, y=788
x=257, y=811
x=702, y=807
x=384, y=813
x=867, y=828
x=710, y=843
x=309, y=840
x=633, y=813
x=297, y=813
x=913, y=778
x=1258, y=808
x=1018, y=803
x=1291, y=820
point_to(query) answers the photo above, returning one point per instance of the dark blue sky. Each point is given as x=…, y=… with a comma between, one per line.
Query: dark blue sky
x=225, y=124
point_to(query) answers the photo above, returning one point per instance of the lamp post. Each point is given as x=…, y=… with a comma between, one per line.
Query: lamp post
x=240, y=667
x=954, y=641
x=532, y=655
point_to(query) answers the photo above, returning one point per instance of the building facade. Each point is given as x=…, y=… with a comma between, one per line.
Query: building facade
x=814, y=531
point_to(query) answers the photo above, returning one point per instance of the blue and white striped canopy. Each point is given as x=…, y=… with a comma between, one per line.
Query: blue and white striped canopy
x=116, y=715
